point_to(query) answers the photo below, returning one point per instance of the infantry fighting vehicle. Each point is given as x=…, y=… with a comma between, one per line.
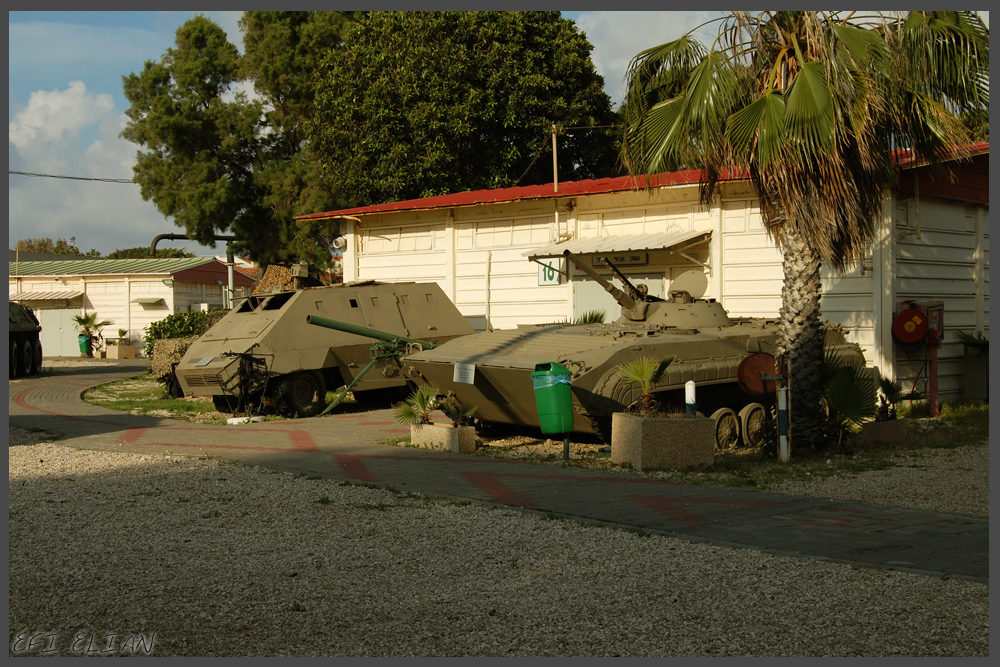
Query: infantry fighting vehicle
x=25, y=346
x=708, y=347
x=265, y=349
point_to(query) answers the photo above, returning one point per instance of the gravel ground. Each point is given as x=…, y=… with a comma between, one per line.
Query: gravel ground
x=220, y=559
x=945, y=480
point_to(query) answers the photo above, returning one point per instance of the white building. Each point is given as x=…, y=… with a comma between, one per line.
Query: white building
x=476, y=245
x=131, y=293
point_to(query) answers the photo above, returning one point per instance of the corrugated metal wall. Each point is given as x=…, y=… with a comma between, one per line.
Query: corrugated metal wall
x=948, y=261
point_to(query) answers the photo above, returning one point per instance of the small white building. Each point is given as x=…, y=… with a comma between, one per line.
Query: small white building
x=932, y=243
x=131, y=293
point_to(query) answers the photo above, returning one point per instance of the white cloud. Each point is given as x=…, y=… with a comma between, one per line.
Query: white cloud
x=44, y=137
x=618, y=36
x=56, y=115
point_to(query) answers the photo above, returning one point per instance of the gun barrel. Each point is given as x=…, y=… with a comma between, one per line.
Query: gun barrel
x=365, y=331
x=623, y=299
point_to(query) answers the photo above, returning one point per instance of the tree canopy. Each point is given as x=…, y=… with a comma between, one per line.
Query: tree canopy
x=57, y=247
x=819, y=108
x=142, y=252
x=217, y=161
x=418, y=104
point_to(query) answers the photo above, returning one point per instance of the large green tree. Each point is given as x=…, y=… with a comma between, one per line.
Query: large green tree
x=818, y=107
x=418, y=104
x=219, y=162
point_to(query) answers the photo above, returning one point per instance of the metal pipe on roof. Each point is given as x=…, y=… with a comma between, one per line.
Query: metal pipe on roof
x=230, y=256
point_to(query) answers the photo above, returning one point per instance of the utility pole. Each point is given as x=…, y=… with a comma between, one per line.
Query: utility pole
x=555, y=162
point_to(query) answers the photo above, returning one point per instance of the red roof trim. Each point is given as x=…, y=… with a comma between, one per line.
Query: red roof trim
x=531, y=192
x=566, y=189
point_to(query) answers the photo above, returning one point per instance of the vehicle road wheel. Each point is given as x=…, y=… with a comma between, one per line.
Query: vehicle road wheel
x=302, y=394
x=36, y=348
x=27, y=358
x=727, y=429
x=15, y=359
x=752, y=422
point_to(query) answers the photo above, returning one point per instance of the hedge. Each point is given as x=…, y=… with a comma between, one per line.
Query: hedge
x=181, y=325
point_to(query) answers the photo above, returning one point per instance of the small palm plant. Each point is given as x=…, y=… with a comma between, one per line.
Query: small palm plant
x=417, y=409
x=88, y=324
x=890, y=394
x=848, y=391
x=647, y=371
x=91, y=328
x=455, y=411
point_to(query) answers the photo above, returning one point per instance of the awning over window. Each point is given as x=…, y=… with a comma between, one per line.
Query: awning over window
x=607, y=245
x=45, y=296
x=149, y=300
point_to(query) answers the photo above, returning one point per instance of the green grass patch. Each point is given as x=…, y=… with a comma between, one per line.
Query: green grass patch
x=143, y=395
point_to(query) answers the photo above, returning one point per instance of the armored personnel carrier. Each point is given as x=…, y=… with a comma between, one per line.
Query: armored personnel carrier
x=25, y=346
x=707, y=345
x=265, y=349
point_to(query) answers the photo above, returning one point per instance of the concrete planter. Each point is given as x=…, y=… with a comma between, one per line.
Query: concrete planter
x=892, y=432
x=444, y=437
x=662, y=442
x=121, y=351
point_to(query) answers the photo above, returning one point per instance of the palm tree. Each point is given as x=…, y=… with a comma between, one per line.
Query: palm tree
x=817, y=109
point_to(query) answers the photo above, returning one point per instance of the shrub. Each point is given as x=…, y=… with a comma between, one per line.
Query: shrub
x=181, y=325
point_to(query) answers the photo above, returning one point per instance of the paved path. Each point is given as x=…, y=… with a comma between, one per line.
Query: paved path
x=345, y=447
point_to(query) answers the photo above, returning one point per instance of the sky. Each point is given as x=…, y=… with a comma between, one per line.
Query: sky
x=65, y=110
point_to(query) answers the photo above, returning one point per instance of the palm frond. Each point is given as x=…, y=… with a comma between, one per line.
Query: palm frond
x=646, y=371
x=809, y=109
x=660, y=369
x=851, y=394
x=974, y=341
x=759, y=125
x=418, y=407
x=456, y=412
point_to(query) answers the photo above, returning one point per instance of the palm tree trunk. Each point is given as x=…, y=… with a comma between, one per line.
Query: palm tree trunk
x=802, y=337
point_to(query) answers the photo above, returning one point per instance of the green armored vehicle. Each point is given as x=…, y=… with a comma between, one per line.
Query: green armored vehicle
x=25, y=346
x=708, y=347
x=264, y=350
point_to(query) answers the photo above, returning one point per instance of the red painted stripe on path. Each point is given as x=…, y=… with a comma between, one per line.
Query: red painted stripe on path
x=201, y=446
x=132, y=436
x=488, y=483
x=20, y=399
x=302, y=441
x=670, y=507
x=353, y=466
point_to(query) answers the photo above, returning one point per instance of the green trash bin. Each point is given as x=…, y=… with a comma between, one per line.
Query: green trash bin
x=553, y=397
x=85, y=344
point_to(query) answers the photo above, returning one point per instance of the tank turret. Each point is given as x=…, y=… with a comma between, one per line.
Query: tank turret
x=679, y=311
